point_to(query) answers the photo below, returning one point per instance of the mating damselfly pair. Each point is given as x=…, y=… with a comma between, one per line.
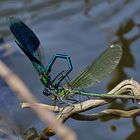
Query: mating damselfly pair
x=92, y=74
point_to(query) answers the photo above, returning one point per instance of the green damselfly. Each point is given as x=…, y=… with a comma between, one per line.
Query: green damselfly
x=92, y=74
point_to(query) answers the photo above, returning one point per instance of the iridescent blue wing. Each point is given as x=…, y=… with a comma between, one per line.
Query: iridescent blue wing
x=98, y=69
x=28, y=42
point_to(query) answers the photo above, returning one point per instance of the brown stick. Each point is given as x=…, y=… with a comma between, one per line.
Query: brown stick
x=114, y=112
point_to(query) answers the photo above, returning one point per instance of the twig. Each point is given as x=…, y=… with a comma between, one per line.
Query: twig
x=115, y=112
x=40, y=105
x=123, y=87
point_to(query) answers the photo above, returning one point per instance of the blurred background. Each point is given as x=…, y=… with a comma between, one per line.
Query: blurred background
x=81, y=29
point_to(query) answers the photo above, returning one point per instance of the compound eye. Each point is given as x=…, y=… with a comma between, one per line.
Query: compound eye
x=46, y=92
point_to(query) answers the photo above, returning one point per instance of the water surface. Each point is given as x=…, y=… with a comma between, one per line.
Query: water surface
x=82, y=30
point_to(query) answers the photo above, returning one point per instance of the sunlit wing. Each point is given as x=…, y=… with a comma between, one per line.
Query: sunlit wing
x=28, y=42
x=98, y=69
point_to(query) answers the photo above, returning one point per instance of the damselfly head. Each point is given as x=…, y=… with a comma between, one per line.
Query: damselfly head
x=46, y=92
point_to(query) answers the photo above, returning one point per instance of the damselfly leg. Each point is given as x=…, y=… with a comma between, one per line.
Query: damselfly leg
x=61, y=76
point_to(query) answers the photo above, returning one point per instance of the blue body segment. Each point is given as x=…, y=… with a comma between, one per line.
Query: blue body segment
x=24, y=37
x=28, y=42
x=30, y=45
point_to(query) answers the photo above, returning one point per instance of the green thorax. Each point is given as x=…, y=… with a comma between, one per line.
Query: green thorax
x=44, y=78
x=65, y=92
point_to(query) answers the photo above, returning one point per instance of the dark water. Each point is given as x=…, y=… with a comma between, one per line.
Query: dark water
x=82, y=29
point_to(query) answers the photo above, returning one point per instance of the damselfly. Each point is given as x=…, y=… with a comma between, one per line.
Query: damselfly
x=92, y=74
x=30, y=45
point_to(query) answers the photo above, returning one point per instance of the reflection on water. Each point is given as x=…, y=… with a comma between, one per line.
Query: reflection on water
x=80, y=29
x=8, y=129
x=136, y=133
x=126, y=61
x=127, y=57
